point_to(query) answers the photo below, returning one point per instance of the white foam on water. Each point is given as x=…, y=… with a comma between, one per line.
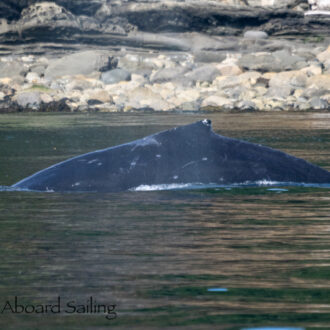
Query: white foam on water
x=10, y=188
x=274, y=186
x=170, y=186
x=247, y=184
x=266, y=182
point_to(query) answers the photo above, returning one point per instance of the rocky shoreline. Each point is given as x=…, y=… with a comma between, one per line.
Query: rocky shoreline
x=127, y=67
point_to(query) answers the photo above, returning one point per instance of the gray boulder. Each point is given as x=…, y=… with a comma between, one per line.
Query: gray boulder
x=204, y=56
x=39, y=69
x=251, y=34
x=116, y=75
x=204, y=73
x=276, y=62
x=83, y=63
x=11, y=69
x=289, y=61
x=279, y=92
x=29, y=99
x=318, y=103
x=167, y=74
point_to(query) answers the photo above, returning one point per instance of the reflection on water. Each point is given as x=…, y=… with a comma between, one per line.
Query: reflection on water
x=224, y=258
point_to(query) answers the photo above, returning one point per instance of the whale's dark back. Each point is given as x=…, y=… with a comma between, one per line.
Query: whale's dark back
x=186, y=154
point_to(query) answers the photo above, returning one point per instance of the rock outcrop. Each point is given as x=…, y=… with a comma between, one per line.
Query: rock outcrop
x=224, y=55
x=100, y=21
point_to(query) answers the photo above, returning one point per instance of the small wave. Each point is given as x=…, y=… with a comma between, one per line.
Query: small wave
x=11, y=188
x=246, y=184
x=153, y=187
x=7, y=188
x=190, y=186
x=265, y=182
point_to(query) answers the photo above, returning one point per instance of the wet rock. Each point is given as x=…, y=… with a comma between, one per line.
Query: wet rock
x=247, y=105
x=56, y=106
x=116, y=75
x=270, y=104
x=85, y=62
x=94, y=102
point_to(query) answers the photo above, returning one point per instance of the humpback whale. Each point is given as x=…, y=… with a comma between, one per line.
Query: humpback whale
x=190, y=154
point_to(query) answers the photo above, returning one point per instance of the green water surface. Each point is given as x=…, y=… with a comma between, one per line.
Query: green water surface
x=155, y=255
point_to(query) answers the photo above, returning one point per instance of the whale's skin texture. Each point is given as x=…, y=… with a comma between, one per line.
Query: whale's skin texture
x=191, y=154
